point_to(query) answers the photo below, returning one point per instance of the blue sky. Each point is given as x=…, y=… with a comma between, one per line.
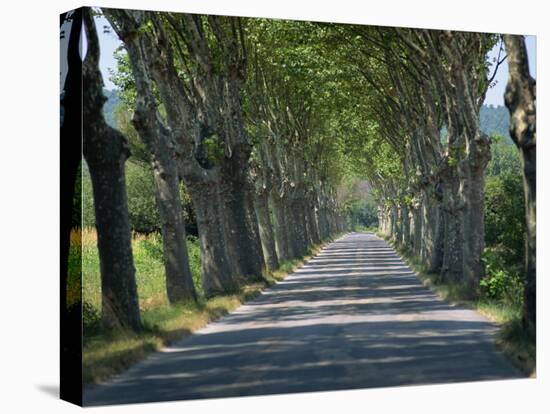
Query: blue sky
x=495, y=94
x=109, y=42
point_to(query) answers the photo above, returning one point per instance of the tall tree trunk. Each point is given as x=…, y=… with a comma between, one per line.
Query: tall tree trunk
x=394, y=214
x=242, y=241
x=312, y=223
x=416, y=229
x=266, y=230
x=179, y=279
x=520, y=99
x=217, y=276
x=280, y=227
x=452, y=268
x=432, y=235
x=106, y=151
x=298, y=226
x=479, y=157
x=293, y=228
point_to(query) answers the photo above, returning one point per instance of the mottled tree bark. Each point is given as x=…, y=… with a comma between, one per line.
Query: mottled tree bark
x=394, y=223
x=179, y=279
x=267, y=237
x=215, y=264
x=242, y=240
x=432, y=236
x=520, y=99
x=280, y=227
x=106, y=151
x=313, y=230
x=478, y=160
x=453, y=208
x=416, y=230
x=298, y=231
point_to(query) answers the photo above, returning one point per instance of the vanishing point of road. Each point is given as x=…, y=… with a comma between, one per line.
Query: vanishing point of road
x=355, y=316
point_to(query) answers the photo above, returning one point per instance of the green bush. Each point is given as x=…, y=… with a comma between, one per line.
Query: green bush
x=505, y=215
x=504, y=202
x=501, y=283
x=91, y=319
x=362, y=214
x=142, y=208
x=504, y=157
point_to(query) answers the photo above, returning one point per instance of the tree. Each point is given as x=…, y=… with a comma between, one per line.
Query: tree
x=106, y=151
x=289, y=106
x=520, y=99
x=159, y=141
x=195, y=75
x=505, y=228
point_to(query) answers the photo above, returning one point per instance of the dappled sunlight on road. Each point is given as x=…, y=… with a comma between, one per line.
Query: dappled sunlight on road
x=354, y=316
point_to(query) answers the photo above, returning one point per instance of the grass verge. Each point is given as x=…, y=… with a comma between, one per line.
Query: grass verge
x=518, y=344
x=108, y=353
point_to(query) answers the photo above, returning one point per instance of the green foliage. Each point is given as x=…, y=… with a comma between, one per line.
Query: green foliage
x=504, y=158
x=504, y=202
x=362, y=213
x=505, y=215
x=91, y=319
x=452, y=161
x=214, y=148
x=500, y=283
x=123, y=78
x=142, y=208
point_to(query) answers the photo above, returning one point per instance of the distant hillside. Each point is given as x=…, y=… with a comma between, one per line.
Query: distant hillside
x=495, y=120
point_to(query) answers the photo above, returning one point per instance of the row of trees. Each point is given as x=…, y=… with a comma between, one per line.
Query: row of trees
x=215, y=113
x=428, y=166
x=267, y=122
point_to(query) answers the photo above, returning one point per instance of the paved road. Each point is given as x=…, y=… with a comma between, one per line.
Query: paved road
x=354, y=317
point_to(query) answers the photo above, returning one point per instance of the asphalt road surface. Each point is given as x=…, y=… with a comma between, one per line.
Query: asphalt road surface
x=355, y=316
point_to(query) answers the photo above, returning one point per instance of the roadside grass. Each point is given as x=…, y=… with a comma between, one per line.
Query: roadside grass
x=106, y=353
x=518, y=344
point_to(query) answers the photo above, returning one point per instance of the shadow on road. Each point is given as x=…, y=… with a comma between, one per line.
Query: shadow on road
x=354, y=317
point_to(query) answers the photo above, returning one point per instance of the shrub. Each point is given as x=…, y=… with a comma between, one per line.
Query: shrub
x=142, y=208
x=505, y=215
x=91, y=319
x=504, y=203
x=501, y=282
